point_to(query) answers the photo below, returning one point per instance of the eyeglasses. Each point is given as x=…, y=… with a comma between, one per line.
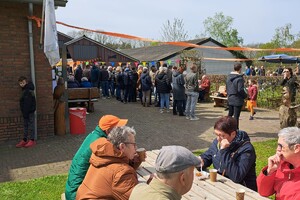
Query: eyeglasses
x=133, y=143
x=280, y=146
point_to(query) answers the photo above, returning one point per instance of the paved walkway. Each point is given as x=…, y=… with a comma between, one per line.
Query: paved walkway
x=53, y=155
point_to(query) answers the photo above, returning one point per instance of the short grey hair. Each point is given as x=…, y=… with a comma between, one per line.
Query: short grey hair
x=170, y=175
x=120, y=135
x=291, y=135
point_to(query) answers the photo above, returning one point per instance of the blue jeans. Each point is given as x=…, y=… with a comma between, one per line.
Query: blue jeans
x=104, y=86
x=192, y=98
x=164, y=100
x=118, y=92
x=111, y=86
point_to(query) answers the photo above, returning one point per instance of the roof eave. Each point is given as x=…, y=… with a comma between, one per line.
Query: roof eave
x=60, y=3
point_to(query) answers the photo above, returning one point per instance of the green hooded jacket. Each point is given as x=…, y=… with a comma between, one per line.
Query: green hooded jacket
x=80, y=163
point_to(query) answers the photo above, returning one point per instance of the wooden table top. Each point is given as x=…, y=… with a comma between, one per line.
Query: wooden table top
x=223, y=189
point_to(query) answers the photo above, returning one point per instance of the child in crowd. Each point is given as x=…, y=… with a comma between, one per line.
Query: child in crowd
x=252, y=96
x=28, y=106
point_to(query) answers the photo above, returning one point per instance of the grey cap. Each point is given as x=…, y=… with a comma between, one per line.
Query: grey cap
x=174, y=159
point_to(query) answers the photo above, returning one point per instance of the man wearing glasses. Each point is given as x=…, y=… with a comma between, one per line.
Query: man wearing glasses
x=110, y=176
x=282, y=175
x=290, y=81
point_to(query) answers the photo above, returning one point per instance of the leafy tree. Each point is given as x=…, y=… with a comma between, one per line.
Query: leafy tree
x=283, y=36
x=219, y=28
x=174, y=31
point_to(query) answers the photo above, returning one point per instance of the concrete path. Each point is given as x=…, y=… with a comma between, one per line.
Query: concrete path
x=53, y=155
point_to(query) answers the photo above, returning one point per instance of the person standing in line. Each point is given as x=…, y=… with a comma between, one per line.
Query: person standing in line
x=95, y=75
x=178, y=91
x=252, y=96
x=282, y=174
x=78, y=74
x=28, y=107
x=192, y=92
x=163, y=88
x=146, y=85
x=235, y=87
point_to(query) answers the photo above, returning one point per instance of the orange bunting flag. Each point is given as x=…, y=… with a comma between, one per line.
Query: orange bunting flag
x=120, y=63
x=161, y=63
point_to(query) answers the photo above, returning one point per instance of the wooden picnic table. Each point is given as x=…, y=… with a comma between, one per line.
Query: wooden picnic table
x=223, y=189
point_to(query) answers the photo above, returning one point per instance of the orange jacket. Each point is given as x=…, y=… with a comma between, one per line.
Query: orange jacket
x=109, y=175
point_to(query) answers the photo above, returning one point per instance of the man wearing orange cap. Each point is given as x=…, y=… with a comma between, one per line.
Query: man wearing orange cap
x=80, y=162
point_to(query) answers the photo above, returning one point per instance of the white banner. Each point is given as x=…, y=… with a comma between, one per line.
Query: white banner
x=51, y=48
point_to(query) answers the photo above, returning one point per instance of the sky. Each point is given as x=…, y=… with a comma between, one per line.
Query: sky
x=255, y=20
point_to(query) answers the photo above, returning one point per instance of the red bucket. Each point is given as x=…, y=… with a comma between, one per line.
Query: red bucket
x=77, y=118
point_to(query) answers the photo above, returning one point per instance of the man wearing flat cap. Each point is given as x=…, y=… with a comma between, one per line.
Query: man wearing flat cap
x=175, y=174
x=80, y=162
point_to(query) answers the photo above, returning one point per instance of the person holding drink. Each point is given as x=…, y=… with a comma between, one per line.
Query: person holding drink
x=231, y=153
x=282, y=174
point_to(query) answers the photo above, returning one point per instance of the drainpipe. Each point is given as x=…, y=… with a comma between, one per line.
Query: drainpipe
x=32, y=67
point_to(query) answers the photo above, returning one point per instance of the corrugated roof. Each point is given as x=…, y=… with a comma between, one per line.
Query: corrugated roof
x=161, y=52
x=102, y=45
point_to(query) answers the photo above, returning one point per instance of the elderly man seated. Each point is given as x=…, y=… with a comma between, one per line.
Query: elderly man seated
x=282, y=175
x=175, y=174
x=204, y=87
x=110, y=176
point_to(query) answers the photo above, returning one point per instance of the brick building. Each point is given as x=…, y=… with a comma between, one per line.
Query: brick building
x=15, y=61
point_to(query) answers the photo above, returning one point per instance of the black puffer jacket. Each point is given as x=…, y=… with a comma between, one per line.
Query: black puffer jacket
x=162, y=83
x=27, y=100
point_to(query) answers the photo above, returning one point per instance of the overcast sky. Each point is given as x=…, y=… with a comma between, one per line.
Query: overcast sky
x=255, y=20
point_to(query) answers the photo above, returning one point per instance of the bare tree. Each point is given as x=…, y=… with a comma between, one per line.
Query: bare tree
x=174, y=31
x=77, y=34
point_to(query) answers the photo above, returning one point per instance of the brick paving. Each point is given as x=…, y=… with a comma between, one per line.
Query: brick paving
x=53, y=155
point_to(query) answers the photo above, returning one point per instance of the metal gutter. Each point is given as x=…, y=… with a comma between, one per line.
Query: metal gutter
x=32, y=66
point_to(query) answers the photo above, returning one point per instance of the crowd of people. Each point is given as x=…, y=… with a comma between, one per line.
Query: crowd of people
x=160, y=87
x=105, y=165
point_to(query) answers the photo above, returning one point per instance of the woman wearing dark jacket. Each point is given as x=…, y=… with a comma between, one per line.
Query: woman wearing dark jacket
x=146, y=85
x=231, y=153
x=235, y=87
x=163, y=87
x=178, y=91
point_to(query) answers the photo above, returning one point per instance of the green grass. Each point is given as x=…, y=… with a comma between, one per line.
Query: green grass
x=46, y=188
x=51, y=187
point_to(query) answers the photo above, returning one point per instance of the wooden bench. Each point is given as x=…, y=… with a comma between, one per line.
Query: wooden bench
x=222, y=101
x=89, y=95
x=219, y=101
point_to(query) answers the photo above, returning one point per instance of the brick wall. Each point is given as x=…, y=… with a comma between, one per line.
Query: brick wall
x=15, y=62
